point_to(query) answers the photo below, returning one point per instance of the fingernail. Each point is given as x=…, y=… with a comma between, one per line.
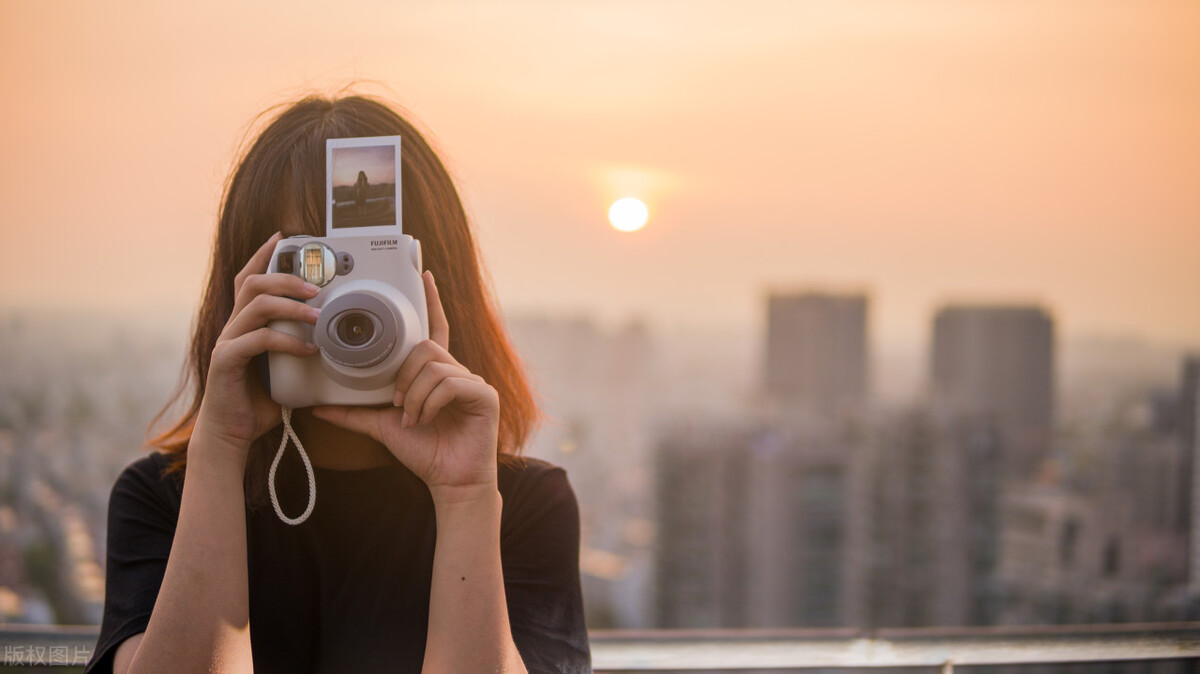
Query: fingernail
x=310, y=288
x=404, y=422
x=314, y=313
x=398, y=399
x=311, y=347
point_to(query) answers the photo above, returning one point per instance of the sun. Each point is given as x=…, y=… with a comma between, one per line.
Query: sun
x=628, y=214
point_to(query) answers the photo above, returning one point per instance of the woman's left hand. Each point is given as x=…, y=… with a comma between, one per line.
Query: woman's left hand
x=446, y=423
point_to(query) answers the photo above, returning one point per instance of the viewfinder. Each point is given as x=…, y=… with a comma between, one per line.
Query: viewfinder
x=317, y=264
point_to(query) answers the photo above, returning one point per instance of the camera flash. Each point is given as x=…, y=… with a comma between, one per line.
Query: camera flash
x=317, y=264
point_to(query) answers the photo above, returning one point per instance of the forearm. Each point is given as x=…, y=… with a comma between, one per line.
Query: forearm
x=201, y=619
x=468, y=617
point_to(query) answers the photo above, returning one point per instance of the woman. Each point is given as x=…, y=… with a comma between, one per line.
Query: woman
x=361, y=185
x=202, y=576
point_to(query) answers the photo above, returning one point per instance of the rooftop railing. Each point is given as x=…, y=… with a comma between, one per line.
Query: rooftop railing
x=940, y=649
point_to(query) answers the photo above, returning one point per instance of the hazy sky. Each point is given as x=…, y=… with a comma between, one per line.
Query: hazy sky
x=923, y=151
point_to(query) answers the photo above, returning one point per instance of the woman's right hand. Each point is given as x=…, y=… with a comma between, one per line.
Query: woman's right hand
x=236, y=410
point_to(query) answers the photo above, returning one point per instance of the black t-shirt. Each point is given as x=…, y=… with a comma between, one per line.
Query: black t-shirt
x=348, y=589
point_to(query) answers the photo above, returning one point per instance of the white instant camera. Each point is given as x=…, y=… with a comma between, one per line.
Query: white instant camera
x=372, y=297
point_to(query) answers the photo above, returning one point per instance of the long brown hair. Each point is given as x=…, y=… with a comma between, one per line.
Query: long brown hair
x=284, y=172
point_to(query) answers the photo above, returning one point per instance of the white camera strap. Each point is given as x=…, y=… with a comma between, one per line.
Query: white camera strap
x=312, y=480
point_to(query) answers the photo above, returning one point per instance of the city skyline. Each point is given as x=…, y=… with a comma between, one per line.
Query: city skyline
x=925, y=152
x=818, y=490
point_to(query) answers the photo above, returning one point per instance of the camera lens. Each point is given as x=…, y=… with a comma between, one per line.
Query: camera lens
x=355, y=328
x=358, y=330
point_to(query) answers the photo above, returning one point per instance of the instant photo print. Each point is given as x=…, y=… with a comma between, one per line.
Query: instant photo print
x=362, y=181
x=372, y=296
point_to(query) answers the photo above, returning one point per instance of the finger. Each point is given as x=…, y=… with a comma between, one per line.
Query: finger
x=258, y=262
x=439, y=327
x=283, y=285
x=398, y=399
x=413, y=367
x=426, y=380
x=266, y=308
x=363, y=420
x=472, y=397
x=424, y=352
x=238, y=351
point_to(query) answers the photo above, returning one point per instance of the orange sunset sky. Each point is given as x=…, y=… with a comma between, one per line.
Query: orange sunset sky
x=923, y=151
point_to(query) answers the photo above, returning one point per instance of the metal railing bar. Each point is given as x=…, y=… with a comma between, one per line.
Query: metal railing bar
x=935, y=647
x=665, y=650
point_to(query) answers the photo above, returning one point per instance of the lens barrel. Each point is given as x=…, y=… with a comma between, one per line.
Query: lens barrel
x=355, y=328
x=358, y=329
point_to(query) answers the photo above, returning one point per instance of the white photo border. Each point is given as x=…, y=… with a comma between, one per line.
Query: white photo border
x=332, y=144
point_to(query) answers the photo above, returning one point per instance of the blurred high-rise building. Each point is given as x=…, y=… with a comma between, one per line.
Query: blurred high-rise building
x=759, y=526
x=1188, y=424
x=702, y=564
x=1189, y=400
x=998, y=362
x=808, y=526
x=816, y=351
x=934, y=525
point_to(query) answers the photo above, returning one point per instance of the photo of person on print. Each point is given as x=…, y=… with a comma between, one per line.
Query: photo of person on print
x=364, y=185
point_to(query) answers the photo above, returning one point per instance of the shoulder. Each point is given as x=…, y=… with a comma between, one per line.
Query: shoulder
x=150, y=472
x=524, y=477
x=536, y=490
x=146, y=486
